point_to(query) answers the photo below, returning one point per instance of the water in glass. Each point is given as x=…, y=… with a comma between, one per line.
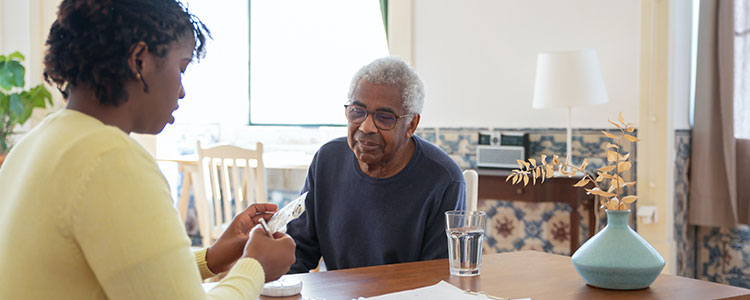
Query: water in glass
x=465, y=250
x=465, y=231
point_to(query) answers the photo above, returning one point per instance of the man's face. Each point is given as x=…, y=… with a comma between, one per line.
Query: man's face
x=370, y=144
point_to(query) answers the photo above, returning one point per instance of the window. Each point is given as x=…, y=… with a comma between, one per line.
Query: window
x=293, y=60
x=303, y=55
x=741, y=70
x=216, y=87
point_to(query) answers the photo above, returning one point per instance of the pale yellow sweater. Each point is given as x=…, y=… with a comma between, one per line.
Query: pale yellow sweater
x=85, y=213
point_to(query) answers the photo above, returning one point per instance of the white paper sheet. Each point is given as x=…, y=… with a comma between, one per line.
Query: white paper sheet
x=440, y=291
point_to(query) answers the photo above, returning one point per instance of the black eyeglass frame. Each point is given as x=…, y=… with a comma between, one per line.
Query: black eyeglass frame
x=375, y=119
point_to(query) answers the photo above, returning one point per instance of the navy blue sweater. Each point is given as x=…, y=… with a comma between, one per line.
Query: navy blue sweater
x=354, y=220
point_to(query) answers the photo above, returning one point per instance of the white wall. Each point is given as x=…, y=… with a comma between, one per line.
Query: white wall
x=24, y=26
x=15, y=30
x=478, y=58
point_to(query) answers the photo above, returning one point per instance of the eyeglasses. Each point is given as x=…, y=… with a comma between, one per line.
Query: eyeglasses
x=383, y=120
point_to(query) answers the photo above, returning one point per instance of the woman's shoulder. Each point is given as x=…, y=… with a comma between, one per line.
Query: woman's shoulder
x=74, y=134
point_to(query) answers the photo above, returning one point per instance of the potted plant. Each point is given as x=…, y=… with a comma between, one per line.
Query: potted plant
x=616, y=257
x=16, y=102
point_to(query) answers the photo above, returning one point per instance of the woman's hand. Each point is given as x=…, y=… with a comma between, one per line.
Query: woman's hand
x=275, y=255
x=222, y=255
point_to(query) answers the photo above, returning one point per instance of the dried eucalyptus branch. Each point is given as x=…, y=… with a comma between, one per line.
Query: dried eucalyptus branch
x=611, y=198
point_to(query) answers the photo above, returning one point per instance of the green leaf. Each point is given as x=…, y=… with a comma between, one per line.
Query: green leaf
x=25, y=116
x=38, y=94
x=3, y=104
x=28, y=106
x=17, y=103
x=16, y=55
x=11, y=75
x=16, y=106
x=36, y=101
x=3, y=145
x=45, y=94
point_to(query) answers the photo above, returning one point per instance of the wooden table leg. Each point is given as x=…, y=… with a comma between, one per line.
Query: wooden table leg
x=573, y=229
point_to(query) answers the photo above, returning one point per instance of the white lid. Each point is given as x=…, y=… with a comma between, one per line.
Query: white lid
x=283, y=287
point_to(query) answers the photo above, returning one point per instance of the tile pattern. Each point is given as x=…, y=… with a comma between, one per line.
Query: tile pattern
x=458, y=143
x=515, y=225
x=724, y=255
x=684, y=234
x=522, y=225
x=715, y=254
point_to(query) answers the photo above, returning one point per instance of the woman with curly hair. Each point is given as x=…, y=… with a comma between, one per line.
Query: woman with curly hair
x=101, y=224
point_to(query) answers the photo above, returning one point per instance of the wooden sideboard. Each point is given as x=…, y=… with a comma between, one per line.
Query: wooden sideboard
x=492, y=186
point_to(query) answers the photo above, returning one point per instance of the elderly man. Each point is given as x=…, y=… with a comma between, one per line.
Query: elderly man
x=379, y=195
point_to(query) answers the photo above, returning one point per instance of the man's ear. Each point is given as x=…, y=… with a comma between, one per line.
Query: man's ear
x=413, y=125
x=136, y=58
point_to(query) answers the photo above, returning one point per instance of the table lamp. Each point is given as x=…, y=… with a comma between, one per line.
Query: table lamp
x=568, y=79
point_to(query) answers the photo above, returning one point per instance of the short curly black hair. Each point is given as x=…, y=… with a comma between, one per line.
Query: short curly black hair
x=91, y=40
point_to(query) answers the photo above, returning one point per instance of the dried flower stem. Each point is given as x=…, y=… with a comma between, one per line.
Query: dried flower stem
x=530, y=171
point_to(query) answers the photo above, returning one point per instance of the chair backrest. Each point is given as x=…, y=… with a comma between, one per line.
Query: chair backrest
x=230, y=179
x=472, y=189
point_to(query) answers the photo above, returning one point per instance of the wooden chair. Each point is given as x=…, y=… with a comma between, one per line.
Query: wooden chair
x=230, y=178
x=472, y=189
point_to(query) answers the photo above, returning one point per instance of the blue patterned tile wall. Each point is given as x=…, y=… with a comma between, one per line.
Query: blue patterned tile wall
x=724, y=255
x=520, y=225
x=684, y=233
x=715, y=254
x=459, y=143
x=514, y=225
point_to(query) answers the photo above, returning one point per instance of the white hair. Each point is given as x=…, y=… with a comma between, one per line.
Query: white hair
x=393, y=71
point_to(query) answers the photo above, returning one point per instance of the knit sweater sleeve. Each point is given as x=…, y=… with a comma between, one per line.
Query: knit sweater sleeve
x=435, y=244
x=126, y=227
x=303, y=229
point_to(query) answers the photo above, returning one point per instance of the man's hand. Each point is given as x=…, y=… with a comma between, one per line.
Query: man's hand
x=222, y=255
x=276, y=254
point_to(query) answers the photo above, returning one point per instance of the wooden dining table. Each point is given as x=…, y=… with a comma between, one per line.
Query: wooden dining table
x=523, y=274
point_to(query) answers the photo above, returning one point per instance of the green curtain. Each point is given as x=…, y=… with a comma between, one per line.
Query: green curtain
x=384, y=13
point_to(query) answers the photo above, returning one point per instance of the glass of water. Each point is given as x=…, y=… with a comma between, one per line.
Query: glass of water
x=465, y=231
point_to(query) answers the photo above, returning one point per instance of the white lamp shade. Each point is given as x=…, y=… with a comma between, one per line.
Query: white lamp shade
x=567, y=79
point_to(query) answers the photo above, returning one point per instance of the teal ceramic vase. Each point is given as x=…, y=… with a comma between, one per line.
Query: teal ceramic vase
x=617, y=257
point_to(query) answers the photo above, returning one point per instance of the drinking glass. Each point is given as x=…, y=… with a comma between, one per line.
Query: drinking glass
x=465, y=231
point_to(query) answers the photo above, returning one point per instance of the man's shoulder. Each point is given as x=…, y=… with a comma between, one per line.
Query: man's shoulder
x=333, y=149
x=439, y=159
x=337, y=144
